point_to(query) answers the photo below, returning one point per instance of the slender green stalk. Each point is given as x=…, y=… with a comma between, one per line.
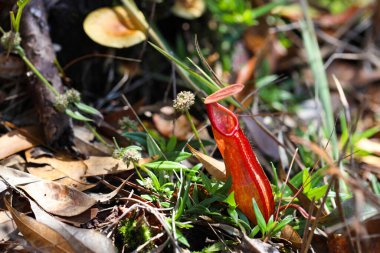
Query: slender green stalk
x=140, y=22
x=195, y=131
x=97, y=135
x=321, y=82
x=21, y=53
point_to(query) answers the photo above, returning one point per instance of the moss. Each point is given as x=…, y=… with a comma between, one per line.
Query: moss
x=134, y=233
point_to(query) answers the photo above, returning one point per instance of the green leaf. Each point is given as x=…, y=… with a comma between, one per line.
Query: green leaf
x=226, y=187
x=281, y=224
x=306, y=180
x=155, y=182
x=230, y=200
x=146, y=197
x=233, y=214
x=77, y=115
x=206, y=182
x=317, y=193
x=165, y=165
x=185, y=67
x=181, y=238
x=152, y=146
x=181, y=208
x=139, y=137
x=259, y=217
x=165, y=204
x=194, y=195
x=172, y=142
x=177, y=156
x=254, y=231
x=88, y=109
x=216, y=247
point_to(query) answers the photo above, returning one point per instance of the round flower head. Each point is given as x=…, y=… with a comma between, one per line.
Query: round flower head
x=128, y=154
x=131, y=155
x=184, y=100
x=61, y=102
x=126, y=123
x=73, y=96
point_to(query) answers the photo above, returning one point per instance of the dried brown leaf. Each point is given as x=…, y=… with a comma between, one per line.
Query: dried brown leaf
x=288, y=233
x=19, y=140
x=6, y=225
x=49, y=173
x=82, y=240
x=215, y=167
x=37, y=234
x=97, y=166
x=59, y=199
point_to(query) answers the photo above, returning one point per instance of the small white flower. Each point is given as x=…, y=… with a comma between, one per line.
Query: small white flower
x=184, y=100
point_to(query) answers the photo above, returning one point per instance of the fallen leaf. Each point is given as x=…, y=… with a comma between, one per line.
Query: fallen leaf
x=40, y=236
x=6, y=225
x=49, y=173
x=256, y=245
x=59, y=199
x=97, y=166
x=19, y=140
x=82, y=218
x=289, y=234
x=81, y=240
x=107, y=197
x=77, y=169
x=16, y=177
x=74, y=169
x=14, y=161
x=216, y=168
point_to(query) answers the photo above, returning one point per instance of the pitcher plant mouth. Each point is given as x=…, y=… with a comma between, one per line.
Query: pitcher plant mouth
x=222, y=119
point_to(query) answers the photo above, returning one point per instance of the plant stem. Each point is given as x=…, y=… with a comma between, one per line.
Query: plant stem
x=195, y=131
x=21, y=53
x=141, y=24
x=98, y=136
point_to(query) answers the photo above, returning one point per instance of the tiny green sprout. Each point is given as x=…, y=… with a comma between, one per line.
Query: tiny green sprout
x=184, y=100
x=128, y=154
x=127, y=123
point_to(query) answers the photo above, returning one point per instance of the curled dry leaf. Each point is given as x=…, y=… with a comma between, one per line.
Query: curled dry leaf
x=19, y=140
x=82, y=240
x=106, y=197
x=59, y=199
x=37, y=234
x=215, y=167
x=288, y=233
